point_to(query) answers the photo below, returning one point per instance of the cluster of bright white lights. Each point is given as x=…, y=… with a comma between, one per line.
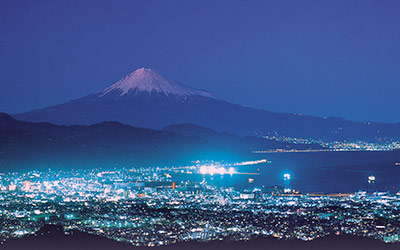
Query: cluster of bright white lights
x=371, y=179
x=250, y=162
x=286, y=176
x=216, y=170
x=287, y=190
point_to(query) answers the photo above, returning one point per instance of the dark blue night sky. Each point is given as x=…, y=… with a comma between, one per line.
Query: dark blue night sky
x=324, y=58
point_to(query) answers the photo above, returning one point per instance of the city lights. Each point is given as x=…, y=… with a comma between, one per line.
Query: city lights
x=211, y=170
x=371, y=179
x=286, y=183
x=251, y=162
x=131, y=196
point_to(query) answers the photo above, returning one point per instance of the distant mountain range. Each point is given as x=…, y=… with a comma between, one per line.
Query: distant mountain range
x=53, y=237
x=107, y=144
x=147, y=99
x=234, y=142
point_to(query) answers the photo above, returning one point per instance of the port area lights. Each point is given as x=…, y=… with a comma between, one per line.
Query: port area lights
x=216, y=170
x=371, y=179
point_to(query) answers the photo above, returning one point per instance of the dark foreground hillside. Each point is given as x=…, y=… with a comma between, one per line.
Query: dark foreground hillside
x=53, y=237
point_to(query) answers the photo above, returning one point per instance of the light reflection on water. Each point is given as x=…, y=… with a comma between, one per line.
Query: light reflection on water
x=327, y=172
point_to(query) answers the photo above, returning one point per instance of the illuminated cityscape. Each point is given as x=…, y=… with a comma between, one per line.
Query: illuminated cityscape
x=175, y=125
x=147, y=207
x=380, y=145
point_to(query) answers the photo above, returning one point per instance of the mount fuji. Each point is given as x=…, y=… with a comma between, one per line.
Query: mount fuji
x=145, y=98
x=150, y=82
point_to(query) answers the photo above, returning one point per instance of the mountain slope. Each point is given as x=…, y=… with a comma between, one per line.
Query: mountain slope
x=145, y=98
x=43, y=145
x=232, y=141
x=150, y=81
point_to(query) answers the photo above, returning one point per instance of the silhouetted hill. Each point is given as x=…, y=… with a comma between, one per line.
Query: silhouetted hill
x=45, y=145
x=53, y=237
x=233, y=141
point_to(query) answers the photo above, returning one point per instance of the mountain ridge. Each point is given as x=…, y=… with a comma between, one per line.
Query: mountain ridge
x=152, y=103
x=27, y=144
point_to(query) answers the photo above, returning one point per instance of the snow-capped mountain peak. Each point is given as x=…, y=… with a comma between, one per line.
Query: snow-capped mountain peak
x=149, y=80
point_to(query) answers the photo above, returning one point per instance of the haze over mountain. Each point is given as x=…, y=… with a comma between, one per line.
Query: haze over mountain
x=145, y=98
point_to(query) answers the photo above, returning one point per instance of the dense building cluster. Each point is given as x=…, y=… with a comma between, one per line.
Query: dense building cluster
x=147, y=208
